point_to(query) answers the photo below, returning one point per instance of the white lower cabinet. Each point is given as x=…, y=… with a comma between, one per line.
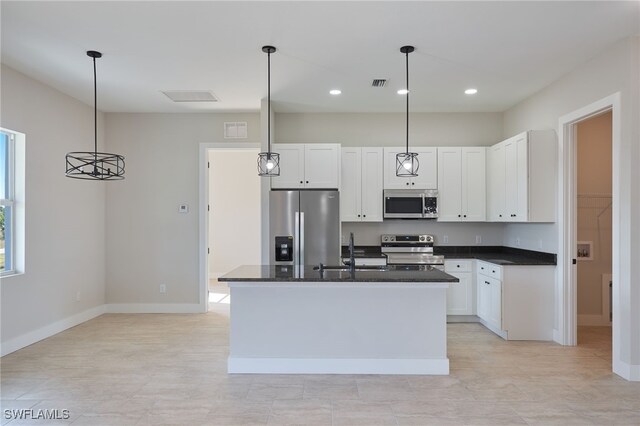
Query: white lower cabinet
x=460, y=295
x=516, y=302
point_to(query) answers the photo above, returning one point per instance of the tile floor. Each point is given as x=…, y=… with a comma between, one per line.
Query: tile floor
x=170, y=369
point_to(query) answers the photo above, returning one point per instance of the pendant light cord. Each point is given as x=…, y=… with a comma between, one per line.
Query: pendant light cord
x=95, y=111
x=268, y=104
x=407, y=67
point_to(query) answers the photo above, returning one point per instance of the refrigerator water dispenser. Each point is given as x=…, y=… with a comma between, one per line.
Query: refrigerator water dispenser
x=284, y=249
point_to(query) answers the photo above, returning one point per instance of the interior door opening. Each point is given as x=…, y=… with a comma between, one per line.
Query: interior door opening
x=233, y=215
x=594, y=201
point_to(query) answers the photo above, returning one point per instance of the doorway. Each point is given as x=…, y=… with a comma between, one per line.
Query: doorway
x=593, y=138
x=231, y=215
x=567, y=289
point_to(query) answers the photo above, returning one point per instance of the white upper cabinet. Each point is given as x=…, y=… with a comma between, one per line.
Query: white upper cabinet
x=361, y=185
x=427, y=172
x=461, y=184
x=522, y=178
x=307, y=166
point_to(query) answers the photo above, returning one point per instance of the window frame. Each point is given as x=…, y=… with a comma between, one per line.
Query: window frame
x=15, y=227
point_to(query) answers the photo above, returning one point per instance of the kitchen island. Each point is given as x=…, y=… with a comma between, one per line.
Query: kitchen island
x=292, y=320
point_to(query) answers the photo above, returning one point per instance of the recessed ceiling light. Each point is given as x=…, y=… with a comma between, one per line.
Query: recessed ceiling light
x=335, y=91
x=403, y=92
x=471, y=91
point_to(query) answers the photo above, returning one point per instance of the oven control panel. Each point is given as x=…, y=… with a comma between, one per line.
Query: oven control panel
x=407, y=239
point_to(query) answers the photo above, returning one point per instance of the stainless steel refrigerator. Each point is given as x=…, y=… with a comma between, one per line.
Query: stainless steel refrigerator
x=304, y=227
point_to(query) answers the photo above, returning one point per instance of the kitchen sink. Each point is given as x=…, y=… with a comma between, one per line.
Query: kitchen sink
x=357, y=268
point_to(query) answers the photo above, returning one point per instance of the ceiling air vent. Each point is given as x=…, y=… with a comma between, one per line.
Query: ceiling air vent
x=379, y=82
x=191, y=96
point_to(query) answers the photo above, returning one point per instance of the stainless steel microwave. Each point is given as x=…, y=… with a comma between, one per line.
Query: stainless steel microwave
x=411, y=204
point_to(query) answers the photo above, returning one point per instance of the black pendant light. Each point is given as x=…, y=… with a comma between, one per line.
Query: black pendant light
x=407, y=162
x=95, y=165
x=268, y=162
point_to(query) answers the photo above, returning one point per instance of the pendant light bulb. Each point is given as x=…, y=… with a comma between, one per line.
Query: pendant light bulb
x=268, y=162
x=407, y=163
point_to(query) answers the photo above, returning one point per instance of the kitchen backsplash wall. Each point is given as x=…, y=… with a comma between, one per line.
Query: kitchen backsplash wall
x=458, y=234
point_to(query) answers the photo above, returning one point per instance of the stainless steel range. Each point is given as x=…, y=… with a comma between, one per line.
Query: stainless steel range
x=412, y=252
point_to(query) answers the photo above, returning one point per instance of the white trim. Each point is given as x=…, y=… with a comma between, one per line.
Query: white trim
x=203, y=216
x=153, y=308
x=42, y=333
x=557, y=336
x=606, y=300
x=494, y=329
x=629, y=372
x=567, y=273
x=337, y=366
x=593, y=320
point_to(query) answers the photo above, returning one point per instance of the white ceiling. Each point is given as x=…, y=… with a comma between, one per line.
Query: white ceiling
x=508, y=50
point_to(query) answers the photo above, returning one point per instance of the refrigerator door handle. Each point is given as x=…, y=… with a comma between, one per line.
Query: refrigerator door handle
x=296, y=239
x=301, y=244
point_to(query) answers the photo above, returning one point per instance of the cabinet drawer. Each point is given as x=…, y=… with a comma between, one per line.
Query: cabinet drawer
x=490, y=269
x=462, y=265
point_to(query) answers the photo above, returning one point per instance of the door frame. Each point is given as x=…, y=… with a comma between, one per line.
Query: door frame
x=566, y=334
x=203, y=213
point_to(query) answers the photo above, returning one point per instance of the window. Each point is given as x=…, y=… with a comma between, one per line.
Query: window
x=11, y=202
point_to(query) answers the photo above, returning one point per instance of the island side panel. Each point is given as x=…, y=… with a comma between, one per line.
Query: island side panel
x=375, y=328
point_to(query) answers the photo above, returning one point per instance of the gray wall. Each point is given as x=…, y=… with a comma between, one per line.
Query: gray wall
x=65, y=218
x=149, y=241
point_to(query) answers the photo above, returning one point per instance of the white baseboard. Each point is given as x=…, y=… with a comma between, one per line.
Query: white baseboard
x=337, y=366
x=593, y=320
x=155, y=308
x=629, y=372
x=557, y=336
x=42, y=333
x=496, y=330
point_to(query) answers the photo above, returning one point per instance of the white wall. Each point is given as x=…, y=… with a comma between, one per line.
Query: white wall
x=379, y=129
x=149, y=242
x=614, y=70
x=234, y=215
x=65, y=218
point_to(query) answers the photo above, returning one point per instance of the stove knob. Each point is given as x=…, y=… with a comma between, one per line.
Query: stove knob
x=385, y=238
x=422, y=237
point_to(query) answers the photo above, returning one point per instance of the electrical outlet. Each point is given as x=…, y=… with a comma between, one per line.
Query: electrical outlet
x=478, y=239
x=78, y=296
x=518, y=241
x=163, y=288
x=445, y=239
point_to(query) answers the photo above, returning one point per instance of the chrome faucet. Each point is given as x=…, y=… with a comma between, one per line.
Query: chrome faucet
x=352, y=256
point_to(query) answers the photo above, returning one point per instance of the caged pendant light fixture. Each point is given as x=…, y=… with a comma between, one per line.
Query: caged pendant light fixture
x=268, y=162
x=407, y=163
x=95, y=165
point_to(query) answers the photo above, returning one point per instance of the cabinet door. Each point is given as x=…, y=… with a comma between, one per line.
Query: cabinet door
x=474, y=195
x=483, y=288
x=350, y=185
x=496, y=188
x=372, y=171
x=511, y=179
x=522, y=158
x=449, y=185
x=459, y=295
x=428, y=171
x=321, y=165
x=391, y=181
x=291, y=166
x=495, y=302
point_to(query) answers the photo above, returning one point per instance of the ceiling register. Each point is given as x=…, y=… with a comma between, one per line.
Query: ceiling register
x=94, y=165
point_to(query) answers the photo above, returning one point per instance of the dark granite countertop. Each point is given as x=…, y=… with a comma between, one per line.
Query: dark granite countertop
x=497, y=254
x=271, y=273
x=494, y=254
